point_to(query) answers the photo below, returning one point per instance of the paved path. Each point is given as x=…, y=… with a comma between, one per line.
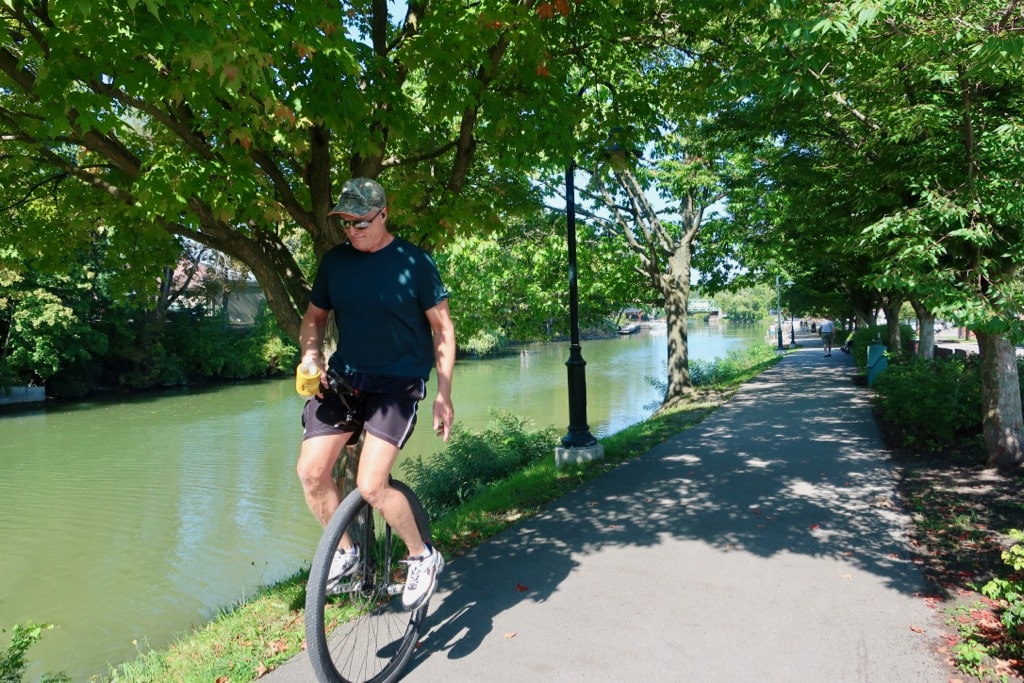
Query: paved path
x=763, y=545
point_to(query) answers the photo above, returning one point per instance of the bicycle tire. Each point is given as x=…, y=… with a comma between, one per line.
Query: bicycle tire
x=369, y=637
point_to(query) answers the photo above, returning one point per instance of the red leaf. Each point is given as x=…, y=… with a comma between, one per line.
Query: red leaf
x=521, y=588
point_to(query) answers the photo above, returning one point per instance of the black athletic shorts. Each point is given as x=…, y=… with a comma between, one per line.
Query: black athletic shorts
x=383, y=406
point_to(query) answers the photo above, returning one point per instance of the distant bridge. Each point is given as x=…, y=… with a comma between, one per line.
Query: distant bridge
x=703, y=307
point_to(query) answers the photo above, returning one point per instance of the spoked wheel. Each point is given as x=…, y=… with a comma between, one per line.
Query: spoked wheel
x=360, y=632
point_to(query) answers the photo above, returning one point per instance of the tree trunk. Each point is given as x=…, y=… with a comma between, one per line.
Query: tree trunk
x=1001, y=404
x=679, y=383
x=925, y=331
x=892, y=326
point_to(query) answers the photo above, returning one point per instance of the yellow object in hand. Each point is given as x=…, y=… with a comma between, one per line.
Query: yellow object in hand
x=307, y=379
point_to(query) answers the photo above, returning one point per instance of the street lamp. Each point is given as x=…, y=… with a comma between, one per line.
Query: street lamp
x=578, y=435
x=578, y=444
x=778, y=311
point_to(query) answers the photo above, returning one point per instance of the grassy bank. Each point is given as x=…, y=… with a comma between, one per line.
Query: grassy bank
x=265, y=630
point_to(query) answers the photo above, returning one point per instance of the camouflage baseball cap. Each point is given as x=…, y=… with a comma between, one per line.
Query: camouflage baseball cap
x=359, y=196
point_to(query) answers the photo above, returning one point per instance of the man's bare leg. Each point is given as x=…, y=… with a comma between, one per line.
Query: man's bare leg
x=316, y=473
x=375, y=462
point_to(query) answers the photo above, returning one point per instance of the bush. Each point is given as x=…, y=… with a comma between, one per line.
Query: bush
x=862, y=338
x=483, y=343
x=472, y=461
x=1010, y=593
x=738, y=366
x=729, y=369
x=12, y=658
x=930, y=404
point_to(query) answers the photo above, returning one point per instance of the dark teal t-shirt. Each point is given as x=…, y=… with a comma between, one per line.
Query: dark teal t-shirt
x=379, y=299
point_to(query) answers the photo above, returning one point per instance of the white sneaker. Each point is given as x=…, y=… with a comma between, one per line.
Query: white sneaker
x=343, y=566
x=422, y=578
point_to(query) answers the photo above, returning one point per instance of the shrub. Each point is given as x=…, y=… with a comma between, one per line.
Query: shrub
x=1010, y=593
x=483, y=343
x=737, y=366
x=472, y=461
x=862, y=338
x=12, y=658
x=930, y=404
x=729, y=369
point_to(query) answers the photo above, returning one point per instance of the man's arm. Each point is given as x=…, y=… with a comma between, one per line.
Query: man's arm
x=440, y=319
x=311, y=335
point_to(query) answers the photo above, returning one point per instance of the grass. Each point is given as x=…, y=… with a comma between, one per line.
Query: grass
x=240, y=644
x=249, y=639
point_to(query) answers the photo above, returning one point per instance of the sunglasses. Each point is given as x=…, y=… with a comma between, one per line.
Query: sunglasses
x=362, y=223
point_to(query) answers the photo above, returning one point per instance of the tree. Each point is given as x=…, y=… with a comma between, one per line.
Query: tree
x=749, y=305
x=664, y=249
x=230, y=126
x=909, y=131
x=511, y=284
x=940, y=108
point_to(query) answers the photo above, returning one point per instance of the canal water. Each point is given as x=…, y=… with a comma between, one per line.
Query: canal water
x=127, y=523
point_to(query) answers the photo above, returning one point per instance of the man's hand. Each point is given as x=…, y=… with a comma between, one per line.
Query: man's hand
x=444, y=415
x=311, y=337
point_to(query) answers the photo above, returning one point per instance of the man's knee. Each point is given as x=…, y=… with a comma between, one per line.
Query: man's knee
x=312, y=474
x=375, y=463
x=372, y=489
x=315, y=467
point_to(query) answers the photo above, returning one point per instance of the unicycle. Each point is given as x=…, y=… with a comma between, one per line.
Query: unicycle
x=360, y=632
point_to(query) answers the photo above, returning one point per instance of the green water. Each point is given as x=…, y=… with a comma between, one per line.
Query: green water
x=128, y=522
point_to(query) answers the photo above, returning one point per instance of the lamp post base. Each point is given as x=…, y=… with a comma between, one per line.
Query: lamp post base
x=577, y=454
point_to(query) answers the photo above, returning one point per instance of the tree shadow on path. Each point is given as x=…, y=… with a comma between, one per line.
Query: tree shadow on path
x=792, y=465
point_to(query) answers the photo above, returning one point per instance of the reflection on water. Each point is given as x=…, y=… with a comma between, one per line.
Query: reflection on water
x=132, y=521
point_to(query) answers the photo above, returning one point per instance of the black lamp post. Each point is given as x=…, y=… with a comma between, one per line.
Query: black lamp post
x=579, y=435
x=778, y=311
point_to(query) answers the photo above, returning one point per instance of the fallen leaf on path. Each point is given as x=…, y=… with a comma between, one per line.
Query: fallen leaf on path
x=917, y=629
x=511, y=634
